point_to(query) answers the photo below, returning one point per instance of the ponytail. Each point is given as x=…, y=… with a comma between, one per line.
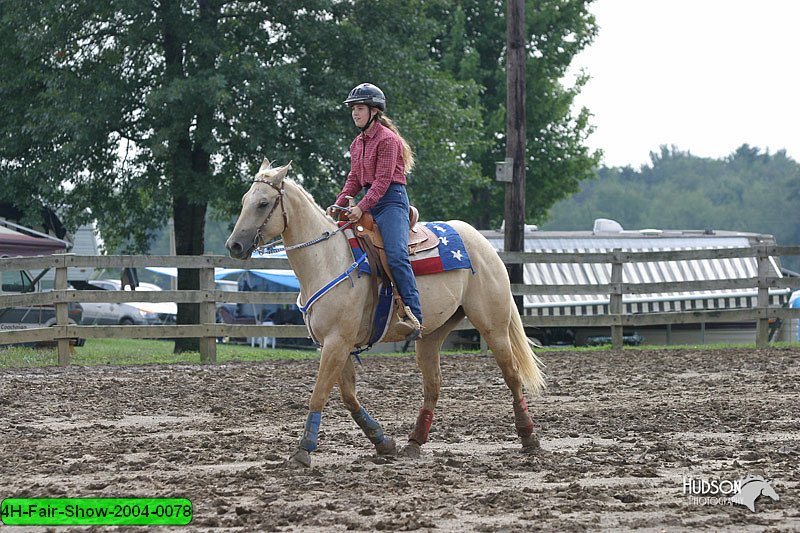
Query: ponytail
x=408, y=154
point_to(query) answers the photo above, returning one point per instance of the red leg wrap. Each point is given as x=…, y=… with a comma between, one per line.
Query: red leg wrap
x=522, y=420
x=423, y=427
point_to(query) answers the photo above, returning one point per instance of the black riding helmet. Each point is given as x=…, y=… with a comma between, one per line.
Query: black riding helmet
x=368, y=94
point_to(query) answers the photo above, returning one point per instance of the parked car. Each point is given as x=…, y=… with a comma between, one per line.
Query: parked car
x=31, y=316
x=129, y=313
x=97, y=314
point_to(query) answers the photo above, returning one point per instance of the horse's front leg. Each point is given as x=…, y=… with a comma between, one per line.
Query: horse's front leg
x=372, y=429
x=332, y=360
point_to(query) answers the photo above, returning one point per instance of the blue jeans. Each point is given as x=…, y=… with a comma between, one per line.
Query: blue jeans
x=391, y=215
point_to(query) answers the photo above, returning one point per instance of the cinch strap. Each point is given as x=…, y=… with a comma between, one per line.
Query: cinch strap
x=331, y=284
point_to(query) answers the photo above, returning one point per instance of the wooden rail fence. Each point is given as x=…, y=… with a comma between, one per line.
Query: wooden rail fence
x=207, y=296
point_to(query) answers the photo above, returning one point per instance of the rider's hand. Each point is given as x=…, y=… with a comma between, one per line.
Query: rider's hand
x=355, y=214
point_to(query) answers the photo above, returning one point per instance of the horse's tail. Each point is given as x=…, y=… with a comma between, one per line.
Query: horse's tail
x=528, y=365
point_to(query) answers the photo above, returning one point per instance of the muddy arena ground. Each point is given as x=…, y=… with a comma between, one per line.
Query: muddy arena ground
x=620, y=431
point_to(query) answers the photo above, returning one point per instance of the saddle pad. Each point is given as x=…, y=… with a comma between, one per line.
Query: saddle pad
x=449, y=255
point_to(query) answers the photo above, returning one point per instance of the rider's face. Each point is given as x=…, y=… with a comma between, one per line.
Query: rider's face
x=360, y=114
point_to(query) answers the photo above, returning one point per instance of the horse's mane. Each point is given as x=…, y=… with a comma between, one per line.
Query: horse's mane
x=308, y=194
x=269, y=172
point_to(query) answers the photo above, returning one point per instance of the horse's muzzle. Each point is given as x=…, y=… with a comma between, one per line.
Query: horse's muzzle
x=237, y=250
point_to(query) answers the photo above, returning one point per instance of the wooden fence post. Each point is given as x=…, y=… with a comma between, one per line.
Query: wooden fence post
x=615, y=300
x=62, y=314
x=208, y=316
x=762, y=301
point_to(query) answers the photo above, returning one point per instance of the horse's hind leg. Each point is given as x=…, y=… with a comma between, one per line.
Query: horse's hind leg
x=501, y=348
x=504, y=335
x=428, y=358
x=372, y=429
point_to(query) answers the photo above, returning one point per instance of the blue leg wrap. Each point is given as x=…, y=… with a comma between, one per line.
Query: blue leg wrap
x=311, y=433
x=369, y=426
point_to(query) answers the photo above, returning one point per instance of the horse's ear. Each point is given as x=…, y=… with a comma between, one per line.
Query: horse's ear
x=265, y=165
x=280, y=173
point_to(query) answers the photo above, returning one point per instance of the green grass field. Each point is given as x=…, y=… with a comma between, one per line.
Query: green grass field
x=138, y=352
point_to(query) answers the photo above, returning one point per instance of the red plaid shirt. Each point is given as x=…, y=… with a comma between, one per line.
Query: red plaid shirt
x=376, y=159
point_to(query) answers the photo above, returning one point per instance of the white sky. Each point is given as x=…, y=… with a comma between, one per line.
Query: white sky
x=703, y=75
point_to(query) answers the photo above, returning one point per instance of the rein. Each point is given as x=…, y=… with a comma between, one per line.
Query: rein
x=272, y=247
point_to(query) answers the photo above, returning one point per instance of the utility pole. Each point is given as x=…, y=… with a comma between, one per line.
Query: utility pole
x=514, y=238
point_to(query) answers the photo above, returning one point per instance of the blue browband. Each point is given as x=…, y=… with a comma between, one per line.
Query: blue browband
x=331, y=284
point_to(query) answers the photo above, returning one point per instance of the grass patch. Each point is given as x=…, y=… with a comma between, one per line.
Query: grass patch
x=97, y=352
x=139, y=352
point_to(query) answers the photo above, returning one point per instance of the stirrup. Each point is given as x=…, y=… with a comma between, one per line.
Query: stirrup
x=411, y=318
x=412, y=322
x=414, y=335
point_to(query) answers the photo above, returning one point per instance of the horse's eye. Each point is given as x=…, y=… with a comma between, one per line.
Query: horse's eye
x=263, y=205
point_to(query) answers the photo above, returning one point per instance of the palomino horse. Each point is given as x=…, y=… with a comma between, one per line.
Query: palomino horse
x=340, y=318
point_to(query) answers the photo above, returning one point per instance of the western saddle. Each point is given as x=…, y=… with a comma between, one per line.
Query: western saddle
x=420, y=239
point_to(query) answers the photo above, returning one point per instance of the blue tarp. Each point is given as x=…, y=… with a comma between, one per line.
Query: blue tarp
x=259, y=279
x=281, y=277
x=285, y=278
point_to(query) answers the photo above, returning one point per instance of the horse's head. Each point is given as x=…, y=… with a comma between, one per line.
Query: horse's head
x=263, y=215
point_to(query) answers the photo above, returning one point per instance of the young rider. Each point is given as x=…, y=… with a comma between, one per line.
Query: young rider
x=379, y=160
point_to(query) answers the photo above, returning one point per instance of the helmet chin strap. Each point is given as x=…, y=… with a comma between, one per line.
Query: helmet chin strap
x=370, y=121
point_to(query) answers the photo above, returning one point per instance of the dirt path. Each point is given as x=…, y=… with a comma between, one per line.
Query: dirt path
x=620, y=432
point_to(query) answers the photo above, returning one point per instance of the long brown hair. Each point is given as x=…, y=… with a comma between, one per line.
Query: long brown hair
x=408, y=153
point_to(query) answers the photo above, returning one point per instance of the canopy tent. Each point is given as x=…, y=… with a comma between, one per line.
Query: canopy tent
x=281, y=277
x=285, y=278
x=14, y=243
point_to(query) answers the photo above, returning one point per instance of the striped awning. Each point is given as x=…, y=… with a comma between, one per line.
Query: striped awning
x=546, y=274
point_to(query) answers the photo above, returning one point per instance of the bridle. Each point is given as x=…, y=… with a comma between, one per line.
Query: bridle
x=258, y=241
x=272, y=247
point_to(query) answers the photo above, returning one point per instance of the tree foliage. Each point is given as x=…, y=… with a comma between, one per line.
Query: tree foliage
x=473, y=48
x=132, y=111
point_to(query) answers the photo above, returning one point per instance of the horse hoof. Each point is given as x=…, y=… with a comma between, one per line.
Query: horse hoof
x=387, y=447
x=299, y=459
x=530, y=444
x=411, y=450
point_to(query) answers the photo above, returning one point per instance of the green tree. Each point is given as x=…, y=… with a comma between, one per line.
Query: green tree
x=132, y=111
x=129, y=112
x=473, y=48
